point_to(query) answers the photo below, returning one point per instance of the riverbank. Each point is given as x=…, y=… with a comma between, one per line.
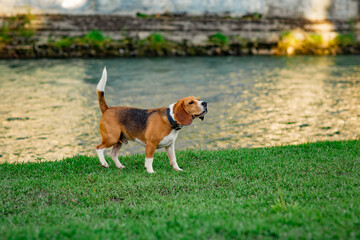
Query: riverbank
x=87, y=36
x=303, y=191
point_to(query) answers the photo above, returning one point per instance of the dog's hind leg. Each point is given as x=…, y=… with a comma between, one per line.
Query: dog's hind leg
x=110, y=137
x=100, y=151
x=115, y=154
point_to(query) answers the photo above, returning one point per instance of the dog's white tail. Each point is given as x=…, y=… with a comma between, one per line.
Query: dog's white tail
x=100, y=89
x=101, y=85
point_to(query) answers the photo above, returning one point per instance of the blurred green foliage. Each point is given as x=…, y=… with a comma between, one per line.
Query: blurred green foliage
x=144, y=15
x=93, y=38
x=64, y=42
x=298, y=42
x=16, y=29
x=252, y=16
x=346, y=40
x=155, y=45
x=219, y=39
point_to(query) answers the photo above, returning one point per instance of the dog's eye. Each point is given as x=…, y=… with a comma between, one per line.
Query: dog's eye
x=191, y=102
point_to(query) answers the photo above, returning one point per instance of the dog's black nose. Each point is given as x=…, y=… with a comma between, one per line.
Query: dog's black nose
x=204, y=104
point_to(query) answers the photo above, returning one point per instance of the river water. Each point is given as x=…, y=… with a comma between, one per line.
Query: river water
x=49, y=109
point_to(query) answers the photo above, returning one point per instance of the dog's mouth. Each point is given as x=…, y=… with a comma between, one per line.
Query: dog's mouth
x=201, y=115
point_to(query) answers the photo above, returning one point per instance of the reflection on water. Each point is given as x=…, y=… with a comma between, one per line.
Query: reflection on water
x=49, y=108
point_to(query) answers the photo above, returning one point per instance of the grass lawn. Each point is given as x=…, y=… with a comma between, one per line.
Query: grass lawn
x=309, y=191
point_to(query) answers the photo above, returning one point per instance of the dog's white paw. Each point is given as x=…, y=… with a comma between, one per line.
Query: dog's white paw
x=150, y=171
x=105, y=165
x=120, y=166
x=177, y=169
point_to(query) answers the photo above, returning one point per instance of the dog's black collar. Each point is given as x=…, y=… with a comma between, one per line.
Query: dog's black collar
x=172, y=121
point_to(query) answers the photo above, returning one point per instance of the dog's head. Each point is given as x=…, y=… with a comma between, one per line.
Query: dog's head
x=188, y=108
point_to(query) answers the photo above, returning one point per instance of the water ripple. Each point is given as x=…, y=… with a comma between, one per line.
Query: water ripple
x=49, y=108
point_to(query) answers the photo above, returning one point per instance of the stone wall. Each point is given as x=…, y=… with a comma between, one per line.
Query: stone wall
x=189, y=36
x=309, y=9
x=192, y=29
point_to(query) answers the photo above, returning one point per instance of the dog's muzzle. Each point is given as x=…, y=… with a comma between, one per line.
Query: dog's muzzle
x=201, y=115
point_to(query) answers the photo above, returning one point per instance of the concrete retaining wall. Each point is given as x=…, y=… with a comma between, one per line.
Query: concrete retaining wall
x=192, y=29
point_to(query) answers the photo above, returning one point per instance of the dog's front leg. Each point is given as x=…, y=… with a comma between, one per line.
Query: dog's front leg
x=149, y=156
x=172, y=157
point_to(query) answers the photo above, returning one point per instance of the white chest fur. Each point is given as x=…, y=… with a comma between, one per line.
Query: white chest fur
x=169, y=139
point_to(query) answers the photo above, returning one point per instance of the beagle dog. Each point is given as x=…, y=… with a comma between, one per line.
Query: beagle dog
x=153, y=128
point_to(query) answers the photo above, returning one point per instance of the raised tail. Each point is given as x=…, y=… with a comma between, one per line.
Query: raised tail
x=100, y=90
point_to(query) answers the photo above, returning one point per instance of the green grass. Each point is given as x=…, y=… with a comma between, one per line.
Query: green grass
x=309, y=191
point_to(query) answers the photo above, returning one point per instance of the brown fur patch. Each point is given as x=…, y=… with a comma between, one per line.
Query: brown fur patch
x=118, y=124
x=102, y=102
x=185, y=109
x=181, y=116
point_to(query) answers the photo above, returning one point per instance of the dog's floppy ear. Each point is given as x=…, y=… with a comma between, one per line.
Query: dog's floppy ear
x=181, y=116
